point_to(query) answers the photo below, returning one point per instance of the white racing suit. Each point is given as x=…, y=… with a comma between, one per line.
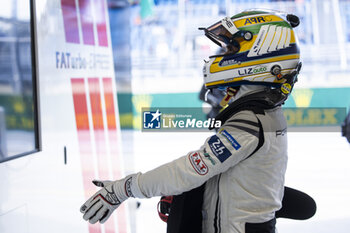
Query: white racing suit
x=244, y=185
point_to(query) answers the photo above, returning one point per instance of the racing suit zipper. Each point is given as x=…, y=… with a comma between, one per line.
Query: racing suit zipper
x=217, y=220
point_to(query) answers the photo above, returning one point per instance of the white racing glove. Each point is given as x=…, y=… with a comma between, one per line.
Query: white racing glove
x=101, y=205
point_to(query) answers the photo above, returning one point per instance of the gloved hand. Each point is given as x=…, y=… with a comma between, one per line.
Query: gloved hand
x=101, y=205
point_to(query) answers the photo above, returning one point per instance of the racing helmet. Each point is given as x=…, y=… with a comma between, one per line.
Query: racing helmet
x=260, y=47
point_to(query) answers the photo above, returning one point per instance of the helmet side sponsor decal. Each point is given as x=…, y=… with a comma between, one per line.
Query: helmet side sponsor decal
x=282, y=39
x=252, y=70
x=270, y=38
x=218, y=148
x=258, y=42
x=198, y=164
x=231, y=139
x=229, y=62
x=229, y=25
x=275, y=40
x=286, y=88
x=288, y=39
x=257, y=19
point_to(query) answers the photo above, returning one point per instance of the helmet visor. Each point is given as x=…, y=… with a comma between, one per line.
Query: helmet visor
x=223, y=33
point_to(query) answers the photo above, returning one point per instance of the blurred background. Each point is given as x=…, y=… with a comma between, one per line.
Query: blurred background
x=159, y=51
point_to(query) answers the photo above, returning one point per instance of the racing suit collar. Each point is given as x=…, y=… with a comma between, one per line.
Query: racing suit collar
x=256, y=102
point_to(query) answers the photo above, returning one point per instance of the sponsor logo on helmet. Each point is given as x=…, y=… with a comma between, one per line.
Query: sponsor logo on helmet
x=260, y=39
x=228, y=79
x=198, y=164
x=228, y=23
x=252, y=70
x=255, y=20
x=271, y=38
x=286, y=88
x=229, y=62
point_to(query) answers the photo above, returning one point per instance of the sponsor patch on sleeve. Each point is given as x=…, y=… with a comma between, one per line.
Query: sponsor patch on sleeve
x=198, y=164
x=218, y=148
x=231, y=139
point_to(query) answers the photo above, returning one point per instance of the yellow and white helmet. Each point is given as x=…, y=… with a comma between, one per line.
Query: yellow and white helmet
x=260, y=48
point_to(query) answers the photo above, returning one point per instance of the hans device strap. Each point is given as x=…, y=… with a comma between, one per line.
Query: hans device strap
x=257, y=103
